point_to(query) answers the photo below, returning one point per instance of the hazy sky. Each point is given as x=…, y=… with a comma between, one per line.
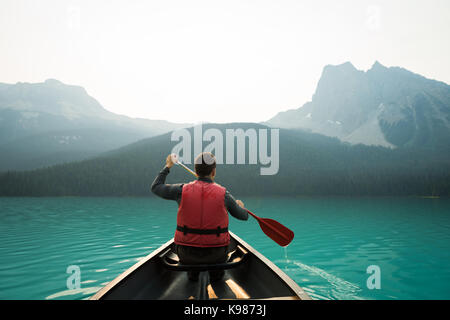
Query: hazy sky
x=216, y=61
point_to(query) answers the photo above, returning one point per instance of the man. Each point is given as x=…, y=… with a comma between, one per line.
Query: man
x=202, y=234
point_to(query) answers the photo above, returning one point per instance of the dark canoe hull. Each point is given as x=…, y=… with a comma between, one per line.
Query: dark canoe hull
x=255, y=278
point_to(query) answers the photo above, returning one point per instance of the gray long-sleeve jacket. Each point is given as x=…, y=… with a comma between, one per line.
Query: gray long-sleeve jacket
x=174, y=191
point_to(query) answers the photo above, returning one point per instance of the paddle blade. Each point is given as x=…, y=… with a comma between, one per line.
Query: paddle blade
x=276, y=231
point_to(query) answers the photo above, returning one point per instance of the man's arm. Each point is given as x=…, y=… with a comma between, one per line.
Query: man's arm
x=234, y=208
x=166, y=191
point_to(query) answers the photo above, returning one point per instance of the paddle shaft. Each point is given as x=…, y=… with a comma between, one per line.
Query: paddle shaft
x=187, y=169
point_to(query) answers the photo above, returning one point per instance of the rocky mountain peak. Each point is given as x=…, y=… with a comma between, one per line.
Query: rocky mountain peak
x=391, y=107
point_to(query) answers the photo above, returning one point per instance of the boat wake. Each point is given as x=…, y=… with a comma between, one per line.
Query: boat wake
x=74, y=293
x=338, y=288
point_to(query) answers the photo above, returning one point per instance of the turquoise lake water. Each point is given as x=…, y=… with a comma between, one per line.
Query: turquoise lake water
x=336, y=239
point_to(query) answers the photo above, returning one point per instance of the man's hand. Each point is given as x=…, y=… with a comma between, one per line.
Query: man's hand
x=169, y=162
x=240, y=203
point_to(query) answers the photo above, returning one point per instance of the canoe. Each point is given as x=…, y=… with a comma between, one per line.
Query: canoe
x=248, y=275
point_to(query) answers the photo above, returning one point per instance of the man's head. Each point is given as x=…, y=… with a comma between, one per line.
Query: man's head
x=205, y=165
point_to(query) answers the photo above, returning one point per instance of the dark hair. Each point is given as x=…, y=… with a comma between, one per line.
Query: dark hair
x=205, y=162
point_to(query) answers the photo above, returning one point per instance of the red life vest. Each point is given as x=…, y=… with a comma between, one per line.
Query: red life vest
x=202, y=219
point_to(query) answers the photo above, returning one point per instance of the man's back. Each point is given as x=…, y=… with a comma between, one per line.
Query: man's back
x=202, y=208
x=174, y=192
x=201, y=234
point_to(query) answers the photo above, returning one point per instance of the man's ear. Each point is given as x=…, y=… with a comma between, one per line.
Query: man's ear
x=213, y=173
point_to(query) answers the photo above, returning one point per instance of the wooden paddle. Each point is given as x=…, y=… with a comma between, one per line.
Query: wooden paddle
x=273, y=229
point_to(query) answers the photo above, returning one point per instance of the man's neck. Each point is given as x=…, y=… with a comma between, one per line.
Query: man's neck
x=206, y=179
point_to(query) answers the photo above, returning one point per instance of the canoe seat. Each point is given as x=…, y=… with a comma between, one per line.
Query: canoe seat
x=171, y=261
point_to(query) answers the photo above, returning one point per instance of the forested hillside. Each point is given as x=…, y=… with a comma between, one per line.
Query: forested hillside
x=310, y=164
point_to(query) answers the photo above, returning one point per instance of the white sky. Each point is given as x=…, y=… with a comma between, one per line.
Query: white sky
x=216, y=61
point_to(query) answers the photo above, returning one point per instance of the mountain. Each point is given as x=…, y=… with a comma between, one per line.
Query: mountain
x=309, y=164
x=390, y=107
x=49, y=148
x=46, y=123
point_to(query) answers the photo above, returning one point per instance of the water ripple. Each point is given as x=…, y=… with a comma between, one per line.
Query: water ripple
x=336, y=239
